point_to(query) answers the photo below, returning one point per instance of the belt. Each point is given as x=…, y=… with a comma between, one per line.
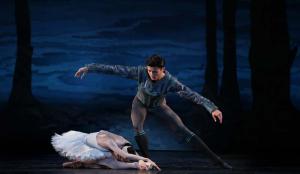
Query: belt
x=148, y=100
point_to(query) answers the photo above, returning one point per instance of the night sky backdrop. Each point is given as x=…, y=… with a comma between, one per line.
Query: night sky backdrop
x=67, y=34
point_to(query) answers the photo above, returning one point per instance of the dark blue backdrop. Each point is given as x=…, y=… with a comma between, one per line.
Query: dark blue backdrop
x=67, y=34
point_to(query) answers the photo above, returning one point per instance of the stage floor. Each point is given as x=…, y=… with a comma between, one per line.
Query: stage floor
x=170, y=162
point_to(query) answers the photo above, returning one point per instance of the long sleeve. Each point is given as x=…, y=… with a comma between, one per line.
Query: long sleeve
x=185, y=92
x=130, y=72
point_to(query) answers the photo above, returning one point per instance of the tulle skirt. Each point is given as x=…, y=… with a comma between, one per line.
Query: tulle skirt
x=73, y=145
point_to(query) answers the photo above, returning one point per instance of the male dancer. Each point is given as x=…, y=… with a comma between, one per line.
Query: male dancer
x=154, y=82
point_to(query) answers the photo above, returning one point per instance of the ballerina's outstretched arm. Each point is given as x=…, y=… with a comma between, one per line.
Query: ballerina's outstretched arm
x=127, y=156
x=115, y=164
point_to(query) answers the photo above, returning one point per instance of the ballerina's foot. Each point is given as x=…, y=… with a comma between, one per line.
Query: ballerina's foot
x=73, y=164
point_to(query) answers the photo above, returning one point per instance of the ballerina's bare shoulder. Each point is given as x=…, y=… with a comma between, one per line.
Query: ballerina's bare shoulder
x=104, y=136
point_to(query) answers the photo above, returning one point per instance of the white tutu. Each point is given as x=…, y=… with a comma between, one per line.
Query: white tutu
x=73, y=145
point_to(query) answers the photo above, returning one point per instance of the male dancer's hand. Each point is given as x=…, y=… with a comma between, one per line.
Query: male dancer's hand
x=217, y=114
x=81, y=72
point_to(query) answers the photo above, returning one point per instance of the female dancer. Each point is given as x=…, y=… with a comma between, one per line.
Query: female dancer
x=101, y=149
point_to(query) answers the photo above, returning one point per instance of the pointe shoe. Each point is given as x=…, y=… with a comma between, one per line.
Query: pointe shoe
x=73, y=164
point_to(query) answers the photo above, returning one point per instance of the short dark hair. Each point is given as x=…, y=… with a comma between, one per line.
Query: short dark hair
x=155, y=61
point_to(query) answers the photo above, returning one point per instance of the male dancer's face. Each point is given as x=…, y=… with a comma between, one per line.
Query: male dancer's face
x=155, y=73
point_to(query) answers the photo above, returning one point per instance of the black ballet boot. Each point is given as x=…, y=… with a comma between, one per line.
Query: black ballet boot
x=198, y=143
x=142, y=142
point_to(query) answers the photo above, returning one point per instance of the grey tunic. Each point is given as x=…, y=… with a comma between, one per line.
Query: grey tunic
x=152, y=94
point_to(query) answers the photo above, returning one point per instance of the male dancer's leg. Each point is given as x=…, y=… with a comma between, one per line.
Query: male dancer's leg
x=138, y=115
x=191, y=138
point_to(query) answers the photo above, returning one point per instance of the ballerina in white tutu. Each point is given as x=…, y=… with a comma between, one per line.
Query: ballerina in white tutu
x=101, y=149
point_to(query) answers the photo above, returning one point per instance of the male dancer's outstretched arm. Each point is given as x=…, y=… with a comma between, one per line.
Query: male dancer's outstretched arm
x=130, y=72
x=185, y=92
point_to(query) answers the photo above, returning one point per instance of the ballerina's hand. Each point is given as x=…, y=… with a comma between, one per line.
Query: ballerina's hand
x=152, y=164
x=81, y=72
x=142, y=165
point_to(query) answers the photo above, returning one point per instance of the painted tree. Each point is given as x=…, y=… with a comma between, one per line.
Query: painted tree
x=270, y=60
x=25, y=118
x=210, y=88
x=21, y=93
x=229, y=92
